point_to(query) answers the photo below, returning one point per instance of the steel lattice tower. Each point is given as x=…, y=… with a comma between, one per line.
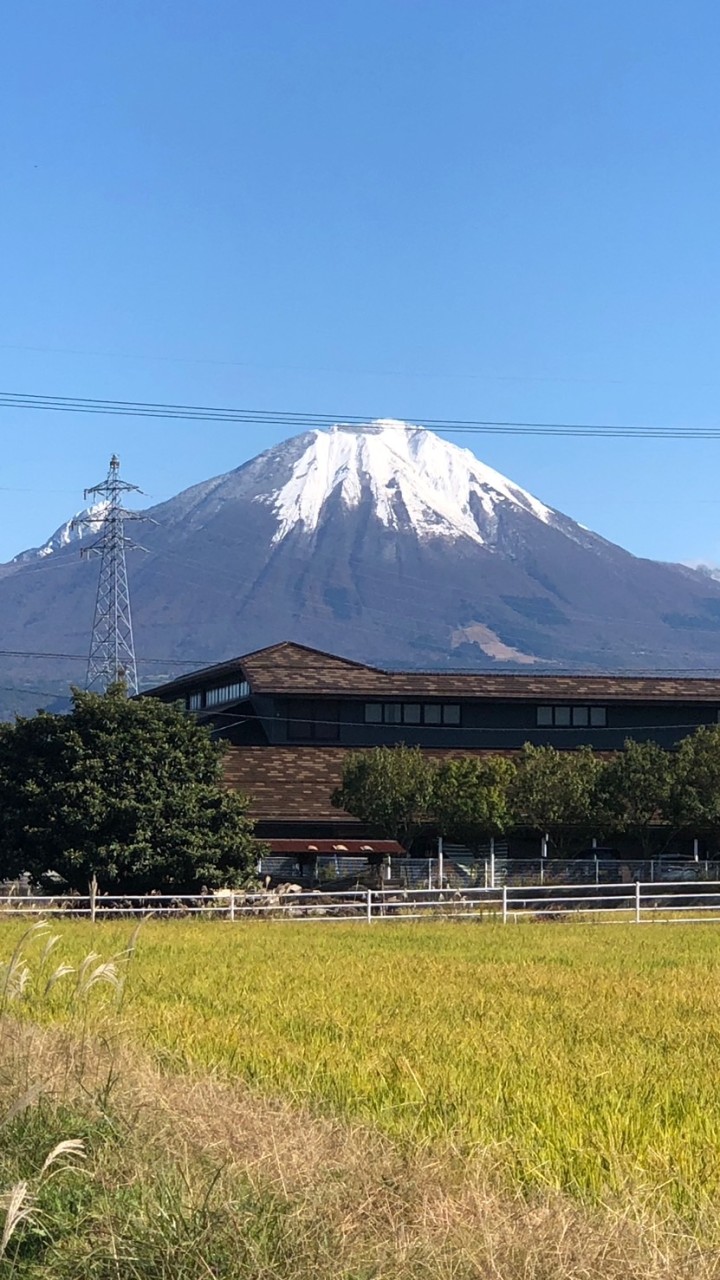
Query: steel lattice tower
x=112, y=650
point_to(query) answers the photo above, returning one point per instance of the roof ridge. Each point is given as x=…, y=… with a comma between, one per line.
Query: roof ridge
x=308, y=648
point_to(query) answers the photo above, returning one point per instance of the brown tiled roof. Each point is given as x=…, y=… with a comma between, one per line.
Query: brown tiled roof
x=295, y=783
x=286, y=782
x=295, y=669
x=278, y=666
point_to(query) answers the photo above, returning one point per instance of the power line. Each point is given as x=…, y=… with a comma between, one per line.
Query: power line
x=449, y=374
x=310, y=421
x=555, y=733
x=361, y=724
x=545, y=672
x=389, y=615
x=82, y=657
x=22, y=688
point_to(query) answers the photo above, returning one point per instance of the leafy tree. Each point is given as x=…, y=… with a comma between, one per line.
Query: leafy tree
x=389, y=788
x=556, y=792
x=129, y=791
x=694, y=803
x=471, y=798
x=635, y=793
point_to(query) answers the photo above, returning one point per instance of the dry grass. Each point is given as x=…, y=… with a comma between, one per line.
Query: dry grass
x=384, y=1213
x=584, y=1060
x=462, y=1104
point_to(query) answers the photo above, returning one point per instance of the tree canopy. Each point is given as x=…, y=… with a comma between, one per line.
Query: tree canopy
x=644, y=792
x=694, y=800
x=129, y=791
x=389, y=788
x=471, y=798
x=635, y=790
x=556, y=792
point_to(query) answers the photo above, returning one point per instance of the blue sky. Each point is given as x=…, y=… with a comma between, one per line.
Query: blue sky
x=407, y=208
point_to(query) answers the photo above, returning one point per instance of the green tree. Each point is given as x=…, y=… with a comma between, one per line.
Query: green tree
x=389, y=788
x=471, y=798
x=635, y=793
x=694, y=804
x=128, y=791
x=555, y=792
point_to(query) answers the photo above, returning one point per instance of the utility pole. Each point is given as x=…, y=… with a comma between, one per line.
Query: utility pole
x=112, y=649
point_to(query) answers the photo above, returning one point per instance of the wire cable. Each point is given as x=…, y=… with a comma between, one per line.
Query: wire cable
x=450, y=729
x=566, y=672
x=309, y=421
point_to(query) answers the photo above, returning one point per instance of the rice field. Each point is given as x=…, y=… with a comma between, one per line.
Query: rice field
x=571, y=1058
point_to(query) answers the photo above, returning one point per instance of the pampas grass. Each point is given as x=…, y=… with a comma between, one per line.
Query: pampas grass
x=297, y=1103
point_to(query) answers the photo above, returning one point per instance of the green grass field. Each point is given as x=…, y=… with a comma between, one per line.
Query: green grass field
x=574, y=1059
x=587, y=1058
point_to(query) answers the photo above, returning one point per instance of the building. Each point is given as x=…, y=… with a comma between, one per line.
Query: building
x=290, y=715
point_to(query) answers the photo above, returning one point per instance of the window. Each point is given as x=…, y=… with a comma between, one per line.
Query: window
x=413, y=713
x=227, y=693
x=194, y=701
x=326, y=724
x=566, y=717
x=300, y=719
x=316, y=721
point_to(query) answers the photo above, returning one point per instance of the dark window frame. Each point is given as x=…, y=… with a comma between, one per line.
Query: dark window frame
x=447, y=717
x=312, y=720
x=596, y=715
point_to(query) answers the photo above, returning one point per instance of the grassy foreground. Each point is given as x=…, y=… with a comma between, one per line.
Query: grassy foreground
x=508, y=1085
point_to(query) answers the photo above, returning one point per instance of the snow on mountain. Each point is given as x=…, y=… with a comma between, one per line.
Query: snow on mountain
x=413, y=479
x=80, y=526
x=410, y=478
x=708, y=570
x=381, y=542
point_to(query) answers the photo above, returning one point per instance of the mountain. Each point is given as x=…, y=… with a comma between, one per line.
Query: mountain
x=83, y=524
x=383, y=543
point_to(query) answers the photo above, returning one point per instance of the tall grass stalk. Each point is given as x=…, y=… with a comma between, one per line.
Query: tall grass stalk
x=444, y=1102
x=585, y=1059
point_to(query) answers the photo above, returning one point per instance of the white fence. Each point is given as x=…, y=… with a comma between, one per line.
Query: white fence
x=461, y=870
x=638, y=903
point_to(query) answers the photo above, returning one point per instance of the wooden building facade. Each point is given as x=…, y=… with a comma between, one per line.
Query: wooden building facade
x=290, y=714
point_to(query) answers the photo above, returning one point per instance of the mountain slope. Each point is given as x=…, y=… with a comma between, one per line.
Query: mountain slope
x=384, y=543
x=83, y=525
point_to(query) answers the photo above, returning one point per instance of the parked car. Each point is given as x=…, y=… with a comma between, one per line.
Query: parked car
x=674, y=868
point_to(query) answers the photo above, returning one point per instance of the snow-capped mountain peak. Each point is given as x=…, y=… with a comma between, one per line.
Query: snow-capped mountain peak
x=412, y=478
x=83, y=524
x=381, y=542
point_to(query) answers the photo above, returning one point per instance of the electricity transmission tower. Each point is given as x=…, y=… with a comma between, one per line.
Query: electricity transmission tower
x=112, y=650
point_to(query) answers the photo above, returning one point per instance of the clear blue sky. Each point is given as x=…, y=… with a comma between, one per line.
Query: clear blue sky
x=408, y=208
